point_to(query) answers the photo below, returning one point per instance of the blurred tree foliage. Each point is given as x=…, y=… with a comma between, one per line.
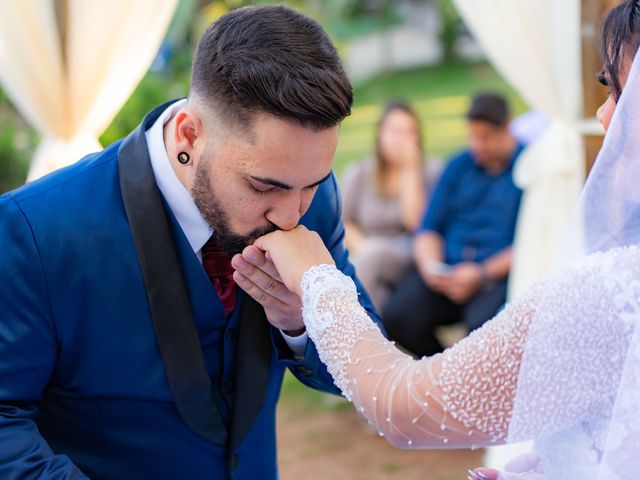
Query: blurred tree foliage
x=17, y=143
x=450, y=28
x=14, y=161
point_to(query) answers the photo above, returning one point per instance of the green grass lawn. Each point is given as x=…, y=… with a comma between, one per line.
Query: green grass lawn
x=301, y=401
x=440, y=94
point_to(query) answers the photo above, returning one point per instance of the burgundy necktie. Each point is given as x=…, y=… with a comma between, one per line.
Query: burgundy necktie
x=217, y=264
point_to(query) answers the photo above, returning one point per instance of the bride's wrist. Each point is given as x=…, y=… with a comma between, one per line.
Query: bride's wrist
x=309, y=271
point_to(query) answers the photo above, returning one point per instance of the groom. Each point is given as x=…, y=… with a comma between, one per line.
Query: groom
x=127, y=349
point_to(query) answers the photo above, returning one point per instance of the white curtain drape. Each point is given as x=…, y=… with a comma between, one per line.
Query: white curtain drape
x=69, y=65
x=535, y=45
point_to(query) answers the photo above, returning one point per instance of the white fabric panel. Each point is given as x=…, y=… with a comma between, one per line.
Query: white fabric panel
x=71, y=94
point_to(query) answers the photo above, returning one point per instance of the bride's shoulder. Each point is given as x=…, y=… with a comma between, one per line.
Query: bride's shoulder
x=615, y=260
x=597, y=275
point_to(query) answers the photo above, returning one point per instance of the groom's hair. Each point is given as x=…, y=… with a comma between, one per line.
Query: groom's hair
x=270, y=59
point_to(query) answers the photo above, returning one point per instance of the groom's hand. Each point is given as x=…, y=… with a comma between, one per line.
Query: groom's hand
x=257, y=276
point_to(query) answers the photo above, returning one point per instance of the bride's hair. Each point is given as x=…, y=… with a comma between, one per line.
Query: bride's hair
x=619, y=40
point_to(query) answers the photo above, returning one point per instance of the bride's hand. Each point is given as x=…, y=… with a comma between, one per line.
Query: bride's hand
x=294, y=252
x=523, y=467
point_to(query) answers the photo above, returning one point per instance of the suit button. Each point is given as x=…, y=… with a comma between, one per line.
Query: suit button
x=304, y=371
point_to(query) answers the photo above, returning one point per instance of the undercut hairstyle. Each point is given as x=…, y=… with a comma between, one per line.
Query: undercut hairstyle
x=270, y=59
x=620, y=38
x=490, y=108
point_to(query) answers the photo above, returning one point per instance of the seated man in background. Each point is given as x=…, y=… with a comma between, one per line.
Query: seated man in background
x=463, y=247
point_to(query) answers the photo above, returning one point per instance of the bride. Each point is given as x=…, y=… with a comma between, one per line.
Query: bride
x=560, y=365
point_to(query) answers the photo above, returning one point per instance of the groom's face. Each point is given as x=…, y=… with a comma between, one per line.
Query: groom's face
x=250, y=183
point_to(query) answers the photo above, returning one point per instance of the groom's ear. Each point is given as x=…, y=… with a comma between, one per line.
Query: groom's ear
x=189, y=132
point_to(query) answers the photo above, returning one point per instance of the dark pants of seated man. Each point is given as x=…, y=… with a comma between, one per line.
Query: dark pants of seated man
x=414, y=311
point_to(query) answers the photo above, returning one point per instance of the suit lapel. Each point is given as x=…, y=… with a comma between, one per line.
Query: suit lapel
x=166, y=291
x=253, y=353
x=173, y=315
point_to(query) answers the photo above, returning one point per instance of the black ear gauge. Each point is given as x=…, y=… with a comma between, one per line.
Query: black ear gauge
x=184, y=158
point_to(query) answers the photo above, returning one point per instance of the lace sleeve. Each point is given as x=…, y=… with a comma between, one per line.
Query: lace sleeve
x=461, y=398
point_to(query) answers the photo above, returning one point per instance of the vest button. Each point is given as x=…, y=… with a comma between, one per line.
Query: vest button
x=304, y=371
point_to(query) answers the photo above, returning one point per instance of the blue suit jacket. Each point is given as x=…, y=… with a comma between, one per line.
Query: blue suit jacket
x=86, y=386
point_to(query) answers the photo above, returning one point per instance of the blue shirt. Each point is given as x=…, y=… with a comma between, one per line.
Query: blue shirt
x=473, y=210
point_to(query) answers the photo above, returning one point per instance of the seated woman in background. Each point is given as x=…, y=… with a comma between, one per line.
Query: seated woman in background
x=384, y=199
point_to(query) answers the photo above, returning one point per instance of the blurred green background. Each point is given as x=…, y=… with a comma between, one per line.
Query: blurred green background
x=440, y=92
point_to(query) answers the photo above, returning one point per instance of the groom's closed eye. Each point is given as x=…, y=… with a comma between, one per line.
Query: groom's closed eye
x=264, y=186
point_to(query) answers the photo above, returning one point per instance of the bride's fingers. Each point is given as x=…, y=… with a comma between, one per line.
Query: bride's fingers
x=483, y=473
x=268, y=241
x=524, y=463
x=258, y=258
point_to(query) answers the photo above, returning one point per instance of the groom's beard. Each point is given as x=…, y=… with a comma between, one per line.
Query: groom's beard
x=211, y=210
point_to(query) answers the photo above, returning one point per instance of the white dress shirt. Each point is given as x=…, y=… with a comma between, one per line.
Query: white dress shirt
x=195, y=228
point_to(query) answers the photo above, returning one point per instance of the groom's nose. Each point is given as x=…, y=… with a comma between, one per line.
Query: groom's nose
x=286, y=213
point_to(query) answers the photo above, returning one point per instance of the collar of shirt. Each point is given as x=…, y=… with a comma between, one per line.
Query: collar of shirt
x=176, y=195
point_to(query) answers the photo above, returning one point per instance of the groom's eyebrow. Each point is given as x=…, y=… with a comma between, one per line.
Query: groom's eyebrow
x=276, y=183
